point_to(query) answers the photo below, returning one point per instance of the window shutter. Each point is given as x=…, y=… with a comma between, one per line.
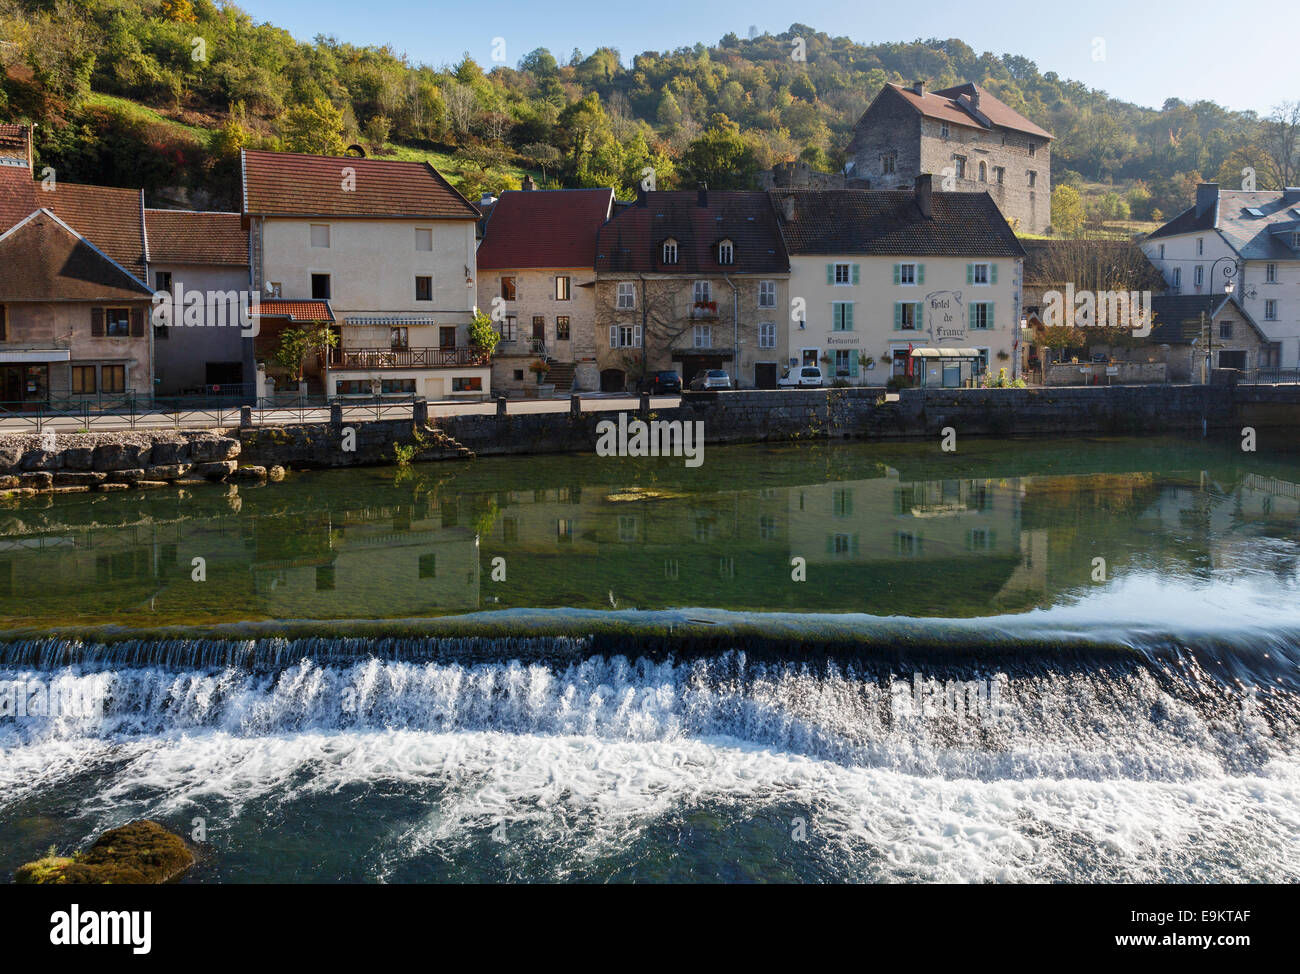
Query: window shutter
x=898, y=273
x=830, y=273
x=848, y=316
x=970, y=273
x=613, y=336
x=636, y=336
x=898, y=316
x=992, y=317
x=993, y=273
x=835, y=322
x=97, y=322
x=137, y=322
x=971, y=316
x=920, y=273
x=830, y=544
x=855, y=273
x=853, y=362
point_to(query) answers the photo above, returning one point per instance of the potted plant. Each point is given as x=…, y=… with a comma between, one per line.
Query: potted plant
x=539, y=368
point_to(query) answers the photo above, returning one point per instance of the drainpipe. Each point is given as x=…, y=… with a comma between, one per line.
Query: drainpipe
x=735, y=333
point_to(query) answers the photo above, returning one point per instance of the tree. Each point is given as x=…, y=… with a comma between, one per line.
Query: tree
x=297, y=343
x=719, y=157
x=1067, y=211
x=482, y=336
x=1279, y=144
x=316, y=128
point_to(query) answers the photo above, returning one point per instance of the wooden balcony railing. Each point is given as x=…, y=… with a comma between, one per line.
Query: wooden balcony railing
x=449, y=356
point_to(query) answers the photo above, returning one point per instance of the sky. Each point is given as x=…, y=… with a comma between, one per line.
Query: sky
x=1241, y=56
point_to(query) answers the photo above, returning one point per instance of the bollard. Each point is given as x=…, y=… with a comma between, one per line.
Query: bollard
x=336, y=415
x=420, y=412
x=501, y=405
x=645, y=405
x=575, y=405
x=245, y=417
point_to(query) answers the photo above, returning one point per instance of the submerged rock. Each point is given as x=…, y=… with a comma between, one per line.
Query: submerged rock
x=140, y=852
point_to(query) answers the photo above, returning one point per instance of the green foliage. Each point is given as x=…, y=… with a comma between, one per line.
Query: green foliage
x=482, y=335
x=297, y=343
x=316, y=128
x=1067, y=211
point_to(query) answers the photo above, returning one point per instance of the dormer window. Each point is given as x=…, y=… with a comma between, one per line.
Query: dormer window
x=726, y=253
x=670, y=251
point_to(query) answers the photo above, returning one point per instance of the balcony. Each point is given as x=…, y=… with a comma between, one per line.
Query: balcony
x=705, y=311
x=446, y=357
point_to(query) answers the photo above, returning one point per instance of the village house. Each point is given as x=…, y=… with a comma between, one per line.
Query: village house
x=692, y=281
x=916, y=283
x=537, y=281
x=1196, y=333
x=968, y=138
x=382, y=253
x=1249, y=240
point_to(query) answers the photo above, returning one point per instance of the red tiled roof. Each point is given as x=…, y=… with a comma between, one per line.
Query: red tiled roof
x=545, y=228
x=186, y=237
x=17, y=195
x=13, y=141
x=944, y=106
x=44, y=260
x=633, y=239
x=108, y=217
x=288, y=184
x=296, y=310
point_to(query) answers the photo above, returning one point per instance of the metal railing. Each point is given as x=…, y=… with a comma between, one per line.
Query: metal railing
x=1272, y=376
x=406, y=358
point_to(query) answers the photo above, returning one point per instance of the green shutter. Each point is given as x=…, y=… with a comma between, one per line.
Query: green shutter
x=848, y=316
x=993, y=273
x=918, y=319
x=855, y=273
x=970, y=273
x=971, y=316
x=898, y=273
x=835, y=324
x=853, y=362
x=898, y=316
x=830, y=273
x=920, y=273
x=992, y=318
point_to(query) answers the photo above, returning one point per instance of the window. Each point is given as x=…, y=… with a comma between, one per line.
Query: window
x=519, y=375
x=398, y=338
x=424, y=289
x=1270, y=311
x=1225, y=329
x=842, y=544
x=842, y=502
x=320, y=235
x=162, y=281
x=564, y=529
x=562, y=328
x=1033, y=179
x=703, y=337
x=112, y=378
x=1200, y=246
x=907, y=544
x=959, y=165
x=999, y=175
x=767, y=294
x=626, y=296
x=703, y=292
x=624, y=336
x=394, y=387
x=984, y=173
x=320, y=287
x=841, y=316
x=510, y=529
x=670, y=251
x=1178, y=277
x=1270, y=355
x=117, y=322
x=273, y=288
x=83, y=380
x=352, y=387
x=466, y=383
x=887, y=163
x=944, y=130
x=906, y=273
x=1270, y=273
x=1162, y=251
x=907, y=317
x=1198, y=275
x=843, y=274
x=767, y=527
x=423, y=239
x=508, y=324
x=843, y=361
x=767, y=335
x=1033, y=150
x=508, y=288
x=981, y=315
x=980, y=274
x=726, y=252
x=561, y=289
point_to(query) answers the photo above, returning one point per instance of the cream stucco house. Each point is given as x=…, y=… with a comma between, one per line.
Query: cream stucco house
x=388, y=248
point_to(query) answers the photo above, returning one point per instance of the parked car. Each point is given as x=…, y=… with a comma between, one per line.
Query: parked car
x=806, y=375
x=711, y=379
x=660, y=382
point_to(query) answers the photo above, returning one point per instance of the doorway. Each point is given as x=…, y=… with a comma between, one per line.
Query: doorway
x=765, y=375
x=1232, y=360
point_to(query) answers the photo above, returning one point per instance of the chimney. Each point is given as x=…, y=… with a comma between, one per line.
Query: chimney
x=919, y=87
x=31, y=144
x=641, y=194
x=925, y=195
x=528, y=185
x=787, y=209
x=1207, y=197
x=702, y=195
x=1291, y=194
x=974, y=98
x=486, y=198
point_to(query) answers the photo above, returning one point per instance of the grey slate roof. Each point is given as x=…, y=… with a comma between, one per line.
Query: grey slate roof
x=1252, y=237
x=1178, y=316
x=889, y=223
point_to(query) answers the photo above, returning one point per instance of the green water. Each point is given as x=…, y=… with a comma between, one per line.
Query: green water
x=1000, y=526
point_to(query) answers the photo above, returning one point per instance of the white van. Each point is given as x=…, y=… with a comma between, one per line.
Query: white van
x=806, y=375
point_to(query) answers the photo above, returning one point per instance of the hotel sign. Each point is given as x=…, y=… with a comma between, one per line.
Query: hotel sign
x=945, y=317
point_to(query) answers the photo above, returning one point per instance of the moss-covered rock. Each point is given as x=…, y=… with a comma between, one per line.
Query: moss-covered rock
x=140, y=852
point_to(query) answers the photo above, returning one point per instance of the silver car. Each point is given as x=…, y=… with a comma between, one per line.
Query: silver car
x=711, y=379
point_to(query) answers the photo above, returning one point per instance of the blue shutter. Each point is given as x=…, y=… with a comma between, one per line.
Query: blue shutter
x=920, y=273
x=970, y=273
x=848, y=316
x=855, y=273
x=991, y=320
x=993, y=273
x=830, y=273
x=918, y=319
x=898, y=316
x=898, y=273
x=971, y=316
x=853, y=362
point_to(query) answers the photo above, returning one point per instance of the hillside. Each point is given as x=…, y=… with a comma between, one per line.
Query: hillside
x=163, y=93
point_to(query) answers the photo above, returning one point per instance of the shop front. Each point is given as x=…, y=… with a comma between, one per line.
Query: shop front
x=946, y=368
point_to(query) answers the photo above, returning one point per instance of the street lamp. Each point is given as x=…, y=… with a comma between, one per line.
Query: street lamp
x=1229, y=285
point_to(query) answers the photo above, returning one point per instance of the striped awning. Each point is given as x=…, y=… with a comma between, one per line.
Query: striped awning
x=390, y=320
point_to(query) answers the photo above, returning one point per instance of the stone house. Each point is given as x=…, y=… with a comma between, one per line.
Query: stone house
x=692, y=281
x=1188, y=326
x=966, y=136
x=1250, y=240
x=387, y=249
x=537, y=280
x=893, y=283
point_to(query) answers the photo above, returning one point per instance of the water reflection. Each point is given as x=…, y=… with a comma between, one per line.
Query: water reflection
x=881, y=530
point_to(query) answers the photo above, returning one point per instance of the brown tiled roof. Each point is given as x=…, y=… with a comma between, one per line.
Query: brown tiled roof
x=13, y=141
x=944, y=106
x=108, y=217
x=633, y=239
x=17, y=195
x=45, y=260
x=186, y=237
x=296, y=310
x=288, y=184
x=545, y=228
x=889, y=223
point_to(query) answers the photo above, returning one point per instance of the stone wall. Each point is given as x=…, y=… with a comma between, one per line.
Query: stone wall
x=1094, y=373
